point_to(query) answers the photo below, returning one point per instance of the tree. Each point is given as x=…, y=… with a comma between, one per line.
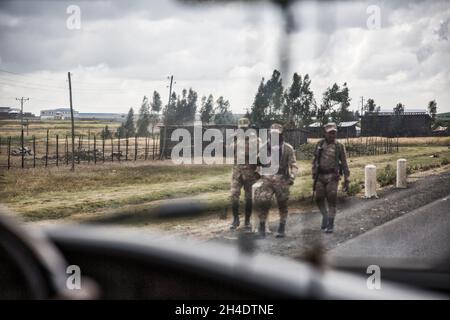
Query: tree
x=397, y=121
x=121, y=131
x=259, y=106
x=191, y=107
x=399, y=108
x=432, y=109
x=156, y=102
x=207, y=109
x=274, y=92
x=222, y=112
x=130, y=129
x=268, y=104
x=106, y=133
x=299, y=99
x=170, y=111
x=370, y=105
x=335, y=103
x=182, y=108
x=144, y=118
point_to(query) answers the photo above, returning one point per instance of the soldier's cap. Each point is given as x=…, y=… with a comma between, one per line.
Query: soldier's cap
x=276, y=127
x=331, y=126
x=243, y=123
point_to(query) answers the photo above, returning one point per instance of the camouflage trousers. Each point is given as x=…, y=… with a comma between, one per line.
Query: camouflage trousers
x=276, y=185
x=242, y=178
x=326, y=192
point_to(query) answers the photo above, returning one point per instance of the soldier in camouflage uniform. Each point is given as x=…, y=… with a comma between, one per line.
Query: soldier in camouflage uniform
x=330, y=162
x=243, y=176
x=277, y=184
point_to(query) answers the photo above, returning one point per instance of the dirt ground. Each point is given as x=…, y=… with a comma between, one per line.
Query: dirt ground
x=355, y=216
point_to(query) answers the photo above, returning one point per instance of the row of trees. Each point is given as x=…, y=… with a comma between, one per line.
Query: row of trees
x=179, y=111
x=296, y=105
x=182, y=109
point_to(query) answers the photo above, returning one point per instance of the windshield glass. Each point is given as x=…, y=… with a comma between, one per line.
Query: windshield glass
x=320, y=129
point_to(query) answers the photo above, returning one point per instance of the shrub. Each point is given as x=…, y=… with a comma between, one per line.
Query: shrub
x=305, y=151
x=354, y=187
x=444, y=162
x=386, y=176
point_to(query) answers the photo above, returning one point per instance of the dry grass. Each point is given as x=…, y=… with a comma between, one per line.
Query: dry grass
x=38, y=128
x=54, y=193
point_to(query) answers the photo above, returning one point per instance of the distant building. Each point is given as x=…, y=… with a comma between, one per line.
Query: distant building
x=441, y=131
x=57, y=114
x=5, y=113
x=389, y=124
x=347, y=129
x=14, y=113
x=315, y=130
x=102, y=116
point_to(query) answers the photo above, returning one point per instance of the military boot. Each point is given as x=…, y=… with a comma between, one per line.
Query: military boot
x=281, y=230
x=330, y=225
x=324, y=225
x=248, y=215
x=236, y=221
x=262, y=229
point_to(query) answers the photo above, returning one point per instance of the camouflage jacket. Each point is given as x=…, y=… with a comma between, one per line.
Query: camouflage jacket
x=333, y=157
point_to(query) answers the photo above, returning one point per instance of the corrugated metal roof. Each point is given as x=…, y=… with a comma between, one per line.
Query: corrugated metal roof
x=347, y=123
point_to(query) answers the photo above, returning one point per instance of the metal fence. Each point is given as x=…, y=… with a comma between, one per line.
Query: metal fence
x=56, y=150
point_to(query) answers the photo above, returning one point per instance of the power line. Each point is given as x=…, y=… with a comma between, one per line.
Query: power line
x=82, y=86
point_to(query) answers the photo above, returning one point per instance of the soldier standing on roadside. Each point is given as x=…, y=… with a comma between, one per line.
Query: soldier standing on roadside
x=278, y=184
x=330, y=162
x=243, y=176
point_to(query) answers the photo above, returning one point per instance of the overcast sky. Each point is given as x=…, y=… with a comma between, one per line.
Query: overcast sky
x=124, y=50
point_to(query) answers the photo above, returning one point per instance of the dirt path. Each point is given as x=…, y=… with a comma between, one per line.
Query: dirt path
x=355, y=216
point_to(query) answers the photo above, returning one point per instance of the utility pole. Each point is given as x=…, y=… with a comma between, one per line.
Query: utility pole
x=22, y=100
x=165, y=125
x=362, y=105
x=22, y=151
x=73, y=127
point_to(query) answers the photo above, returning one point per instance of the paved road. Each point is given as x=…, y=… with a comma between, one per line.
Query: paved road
x=423, y=234
x=358, y=216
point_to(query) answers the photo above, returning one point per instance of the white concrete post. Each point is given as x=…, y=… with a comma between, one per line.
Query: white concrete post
x=370, y=182
x=401, y=173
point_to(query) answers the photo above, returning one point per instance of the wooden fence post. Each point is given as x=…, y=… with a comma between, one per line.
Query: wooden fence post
x=153, y=146
x=126, y=149
x=89, y=146
x=79, y=148
x=46, y=151
x=146, y=148
x=9, y=152
x=22, y=151
x=118, y=148
x=135, y=147
x=103, y=149
x=34, y=152
x=112, y=150
x=67, y=151
x=57, y=150
x=95, y=150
